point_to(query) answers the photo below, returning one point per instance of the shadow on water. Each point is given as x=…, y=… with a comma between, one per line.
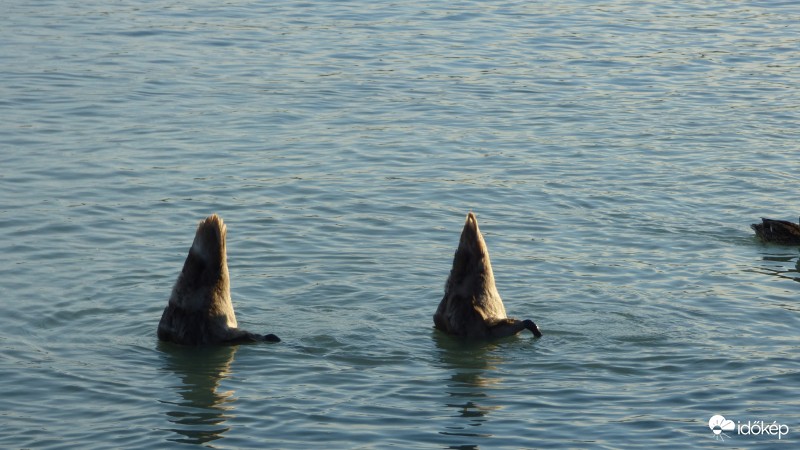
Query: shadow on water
x=468, y=387
x=778, y=262
x=789, y=274
x=784, y=263
x=200, y=414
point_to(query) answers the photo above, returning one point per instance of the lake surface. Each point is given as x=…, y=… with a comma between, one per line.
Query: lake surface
x=615, y=154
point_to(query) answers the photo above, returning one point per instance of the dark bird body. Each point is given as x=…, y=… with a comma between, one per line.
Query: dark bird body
x=777, y=231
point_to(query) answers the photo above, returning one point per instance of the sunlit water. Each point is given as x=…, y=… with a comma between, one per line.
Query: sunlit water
x=614, y=152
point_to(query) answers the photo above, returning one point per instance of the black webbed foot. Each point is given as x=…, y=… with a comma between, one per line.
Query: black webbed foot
x=271, y=338
x=532, y=326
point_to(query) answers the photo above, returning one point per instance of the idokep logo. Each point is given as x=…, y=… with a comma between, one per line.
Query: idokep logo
x=719, y=425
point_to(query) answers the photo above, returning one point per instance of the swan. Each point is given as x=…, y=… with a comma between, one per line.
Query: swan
x=471, y=306
x=199, y=310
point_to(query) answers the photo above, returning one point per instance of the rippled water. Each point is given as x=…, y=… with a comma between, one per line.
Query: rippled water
x=614, y=152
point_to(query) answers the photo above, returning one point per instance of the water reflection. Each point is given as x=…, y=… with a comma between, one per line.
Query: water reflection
x=789, y=273
x=200, y=416
x=468, y=388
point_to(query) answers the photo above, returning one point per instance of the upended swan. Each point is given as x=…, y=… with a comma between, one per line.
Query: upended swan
x=777, y=231
x=471, y=306
x=200, y=310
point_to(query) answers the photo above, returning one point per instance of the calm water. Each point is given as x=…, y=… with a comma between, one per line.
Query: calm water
x=614, y=152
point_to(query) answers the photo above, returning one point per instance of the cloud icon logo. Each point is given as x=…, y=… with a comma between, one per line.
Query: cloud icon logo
x=718, y=424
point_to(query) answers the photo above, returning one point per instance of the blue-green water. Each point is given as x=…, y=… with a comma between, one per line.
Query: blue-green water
x=614, y=152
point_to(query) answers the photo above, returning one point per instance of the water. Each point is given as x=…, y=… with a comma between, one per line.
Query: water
x=614, y=152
